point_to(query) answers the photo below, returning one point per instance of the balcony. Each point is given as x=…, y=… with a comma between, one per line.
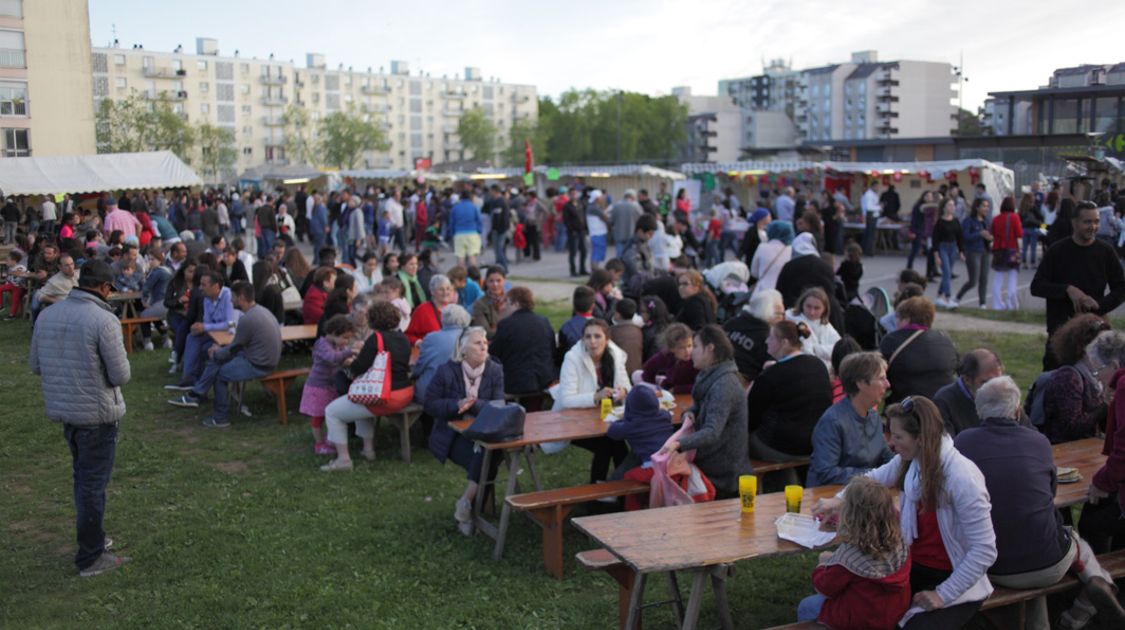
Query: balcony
x=274, y=101
x=455, y=94
x=272, y=122
x=170, y=95
x=163, y=73
x=455, y=113
x=372, y=108
x=447, y=128
x=13, y=58
x=375, y=89
x=276, y=141
x=883, y=108
x=273, y=79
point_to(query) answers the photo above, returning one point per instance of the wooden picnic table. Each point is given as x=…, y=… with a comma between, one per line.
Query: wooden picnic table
x=704, y=536
x=539, y=427
x=128, y=300
x=288, y=333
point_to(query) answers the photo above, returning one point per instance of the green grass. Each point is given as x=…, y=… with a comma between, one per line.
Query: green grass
x=238, y=528
x=1022, y=316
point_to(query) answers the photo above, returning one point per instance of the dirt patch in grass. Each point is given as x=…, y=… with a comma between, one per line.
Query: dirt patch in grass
x=231, y=468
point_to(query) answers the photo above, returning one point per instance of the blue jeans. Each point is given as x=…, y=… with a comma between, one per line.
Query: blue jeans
x=500, y=248
x=218, y=375
x=869, y=235
x=949, y=255
x=265, y=243
x=92, y=450
x=918, y=245
x=195, y=355
x=809, y=608
x=598, y=247
x=318, y=243
x=236, y=224
x=560, y=236
x=1031, y=245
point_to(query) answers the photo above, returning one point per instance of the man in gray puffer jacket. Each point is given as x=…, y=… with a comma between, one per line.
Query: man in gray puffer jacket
x=78, y=352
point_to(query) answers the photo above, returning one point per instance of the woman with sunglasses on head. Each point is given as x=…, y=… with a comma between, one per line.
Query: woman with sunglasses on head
x=945, y=517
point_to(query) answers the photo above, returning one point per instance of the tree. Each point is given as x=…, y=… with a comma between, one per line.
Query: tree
x=968, y=124
x=586, y=126
x=217, y=153
x=478, y=134
x=300, y=136
x=345, y=136
x=531, y=131
x=138, y=124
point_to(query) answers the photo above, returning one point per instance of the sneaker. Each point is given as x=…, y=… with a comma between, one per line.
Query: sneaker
x=168, y=345
x=215, y=423
x=1101, y=595
x=178, y=388
x=172, y=359
x=108, y=542
x=173, y=369
x=187, y=400
x=324, y=448
x=105, y=562
x=466, y=529
x=952, y=303
x=1077, y=616
x=148, y=344
x=463, y=513
x=336, y=465
x=940, y=301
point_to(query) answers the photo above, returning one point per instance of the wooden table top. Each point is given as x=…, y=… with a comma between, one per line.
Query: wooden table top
x=706, y=534
x=568, y=424
x=288, y=333
x=123, y=296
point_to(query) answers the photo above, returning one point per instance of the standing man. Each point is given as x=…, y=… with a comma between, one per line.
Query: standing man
x=118, y=219
x=574, y=219
x=1074, y=275
x=892, y=204
x=267, y=221
x=870, y=208
x=465, y=225
x=785, y=208
x=252, y=354
x=393, y=206
x=623, y=217
x=78, y=352
x=496, y=207
x=318, y=225
x=50, y=214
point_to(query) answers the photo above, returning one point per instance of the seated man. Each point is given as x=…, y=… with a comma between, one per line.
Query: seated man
x=955, y=400
x=252, y=354
x=218, y=314
x=1034, y=548
x=57, y=286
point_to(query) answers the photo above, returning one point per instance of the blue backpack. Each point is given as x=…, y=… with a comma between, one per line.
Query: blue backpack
x=1033, y=406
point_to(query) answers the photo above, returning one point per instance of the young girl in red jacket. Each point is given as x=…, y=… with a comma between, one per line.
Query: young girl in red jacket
x=865, y=583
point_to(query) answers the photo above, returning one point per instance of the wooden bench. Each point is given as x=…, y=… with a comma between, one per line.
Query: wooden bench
x=129, y=326
x=276, y=383
x=1003, y=597
x=549, y=508
x=403, y=420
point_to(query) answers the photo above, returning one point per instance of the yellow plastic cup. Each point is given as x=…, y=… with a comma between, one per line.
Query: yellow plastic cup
x=606, y=408
x=747, y=490
x=793, y=496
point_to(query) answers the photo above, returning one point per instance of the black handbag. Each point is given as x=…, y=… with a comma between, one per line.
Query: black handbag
x=497, y=422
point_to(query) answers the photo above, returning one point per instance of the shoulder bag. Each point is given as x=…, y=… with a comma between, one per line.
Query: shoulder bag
x=374, y=385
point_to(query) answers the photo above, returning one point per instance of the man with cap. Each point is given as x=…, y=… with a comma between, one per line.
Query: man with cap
x=118, y=219
x=78, y=353
x=623, y=217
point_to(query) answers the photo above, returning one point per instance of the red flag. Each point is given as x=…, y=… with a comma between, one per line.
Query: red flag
x=526, y=156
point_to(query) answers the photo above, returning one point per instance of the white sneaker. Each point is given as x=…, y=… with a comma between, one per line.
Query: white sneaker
x=464, y=511
x=169, y=344
x=148, y=344
x=940, y=301
x=172, y=359
x=952, y=303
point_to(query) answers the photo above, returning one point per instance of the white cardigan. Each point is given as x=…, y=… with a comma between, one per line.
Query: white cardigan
x=822, y=340
x=578, y=379
x=766, y=265
x=965, y=521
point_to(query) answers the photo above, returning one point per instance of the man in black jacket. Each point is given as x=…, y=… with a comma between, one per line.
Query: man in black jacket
x=524, y=344
x=574, y=217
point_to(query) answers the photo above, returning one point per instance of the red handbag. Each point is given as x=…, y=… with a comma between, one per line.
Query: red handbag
x=374, y=385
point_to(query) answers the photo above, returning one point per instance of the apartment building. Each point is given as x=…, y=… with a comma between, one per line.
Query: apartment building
x=1083, y=99
x=714, y=127
x=249, y=96
x=857, y=100
x=45, y=108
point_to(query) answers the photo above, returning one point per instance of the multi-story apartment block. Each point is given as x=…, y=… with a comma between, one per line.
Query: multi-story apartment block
x=45, y=108
x=1083, y=99
x=714, y=127
x=249, y=96
x=858, y=100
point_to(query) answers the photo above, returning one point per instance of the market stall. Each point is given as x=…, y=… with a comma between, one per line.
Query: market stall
x=95, y=173
x=614, y=180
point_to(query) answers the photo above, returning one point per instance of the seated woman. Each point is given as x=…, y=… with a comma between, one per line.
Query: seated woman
x=944, y=516
x=426, y=317
x=491, y=307
x=438, y=348
x=749, y=329
x=368, y=274
x=324, y=278
x=718, y=414
x=412, y=290
x=848, y=439
x=920, y=360
x=1072, y=397
x=699, y=304
x=1101, y=522
x=383, y=318
x=525, y=345
x=813, y=308
x=592, y=370
x=786, y=400
x=461, y=387
x=602, y=284
x=672, y=368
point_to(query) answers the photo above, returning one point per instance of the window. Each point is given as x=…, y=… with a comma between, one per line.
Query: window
x=12, y=50
x=101, y=86
x=146, y=62
x=13, y=8
x=244, y=68
x=225, y=113
x=100, y=62
x=17, y=143
x=246, y=110
x=204, y=86
x=119, y=60
x=224, y=70
x=202, y=65
x=13, y=99
x=205, y=108
x=121, y=83
x=244, y=89
x=224, y=91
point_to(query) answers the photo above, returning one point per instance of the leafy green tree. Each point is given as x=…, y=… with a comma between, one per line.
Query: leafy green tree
x=345, y=136
x=138, y=124
x=968, y=124
x=531, y=131
x=585, y=126
x=478, y=134
x=217, y=153
x=300, y=136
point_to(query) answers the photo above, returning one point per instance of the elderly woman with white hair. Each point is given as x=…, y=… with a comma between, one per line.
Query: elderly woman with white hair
x=1102, y=522
x=462, y=387
x=749, y=329
x=1034, y=548
x=438, y=348
x=426, y=317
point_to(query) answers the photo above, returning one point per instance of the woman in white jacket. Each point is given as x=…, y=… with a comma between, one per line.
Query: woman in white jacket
x=593, y=369
x=812, y=308
x=945, y=517
x=772, y=255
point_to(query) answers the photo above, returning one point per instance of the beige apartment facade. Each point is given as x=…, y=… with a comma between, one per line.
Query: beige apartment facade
x=249, y=96
x=45, y=109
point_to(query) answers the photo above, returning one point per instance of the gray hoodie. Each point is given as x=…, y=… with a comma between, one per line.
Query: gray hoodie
x=721, y=437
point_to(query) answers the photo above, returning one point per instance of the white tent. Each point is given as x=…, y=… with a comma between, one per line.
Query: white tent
x=94, y=173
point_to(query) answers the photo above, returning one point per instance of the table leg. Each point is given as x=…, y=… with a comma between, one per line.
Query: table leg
x=505, y=509
x=695, y=600
x=719, y=585
x=478, y=501
x=529, y=455
x=677, y=601
x=633, y=621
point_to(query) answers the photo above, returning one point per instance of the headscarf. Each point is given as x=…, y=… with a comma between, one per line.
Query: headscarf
x=780, y=231
x=804, y=245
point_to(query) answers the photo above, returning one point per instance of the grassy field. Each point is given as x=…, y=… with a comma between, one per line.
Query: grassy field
x=239, y=528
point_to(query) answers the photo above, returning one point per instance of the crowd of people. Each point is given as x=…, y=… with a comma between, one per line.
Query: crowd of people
x=771, y=347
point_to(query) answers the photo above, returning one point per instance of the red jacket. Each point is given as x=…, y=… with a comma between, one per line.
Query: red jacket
x=424, y=320
x=313, y=307
x=860, y=603
x=1111, y=477
x=1006, y=228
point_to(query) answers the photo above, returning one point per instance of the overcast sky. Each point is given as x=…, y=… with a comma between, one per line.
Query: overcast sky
x=647, y=46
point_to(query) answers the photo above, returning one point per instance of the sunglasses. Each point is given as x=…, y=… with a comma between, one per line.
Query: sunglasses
x=907, y=404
